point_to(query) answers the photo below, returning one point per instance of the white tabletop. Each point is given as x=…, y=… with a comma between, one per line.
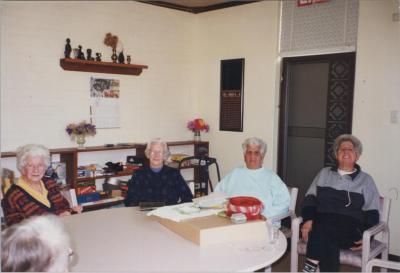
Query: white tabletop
x=125, y=239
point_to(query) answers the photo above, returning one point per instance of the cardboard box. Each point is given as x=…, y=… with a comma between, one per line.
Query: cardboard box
x=214, y=229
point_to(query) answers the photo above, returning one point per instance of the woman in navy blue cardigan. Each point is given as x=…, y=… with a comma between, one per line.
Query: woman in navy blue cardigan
x=157, y=182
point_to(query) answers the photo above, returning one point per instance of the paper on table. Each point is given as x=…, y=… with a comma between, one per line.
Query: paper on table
x=179, y=212
x=215, y=200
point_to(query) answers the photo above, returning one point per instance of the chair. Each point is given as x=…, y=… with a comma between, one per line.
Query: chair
x=290, y=213
x=370, y=249
x=202, y=163
x=7, y=179
x=382, y=263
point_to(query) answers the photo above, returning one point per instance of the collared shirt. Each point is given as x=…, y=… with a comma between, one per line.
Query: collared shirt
x=41, y=197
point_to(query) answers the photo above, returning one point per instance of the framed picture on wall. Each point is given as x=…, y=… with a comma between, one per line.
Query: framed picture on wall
x=231, y=95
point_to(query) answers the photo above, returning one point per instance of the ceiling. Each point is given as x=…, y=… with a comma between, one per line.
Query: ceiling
x=196, y=3
x=197, y=6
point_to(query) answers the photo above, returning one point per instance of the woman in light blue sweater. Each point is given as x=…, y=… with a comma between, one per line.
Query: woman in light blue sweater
x=257, y=181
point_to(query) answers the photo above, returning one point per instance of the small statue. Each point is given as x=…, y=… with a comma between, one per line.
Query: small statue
x=89, y=55
x=114, y=56
x=121, y=58
x=128, y=59
x=76, y=53
x=81, y=55
x=68, y=49
x=98, y=56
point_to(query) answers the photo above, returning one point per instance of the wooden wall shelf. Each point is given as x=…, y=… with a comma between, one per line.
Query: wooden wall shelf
x=101, y=67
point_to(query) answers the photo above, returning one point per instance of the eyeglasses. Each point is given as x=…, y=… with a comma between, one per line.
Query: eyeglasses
x=31, y=166
x=156, y=152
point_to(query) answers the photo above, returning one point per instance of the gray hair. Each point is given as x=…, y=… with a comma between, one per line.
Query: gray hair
x=32, y=150
x=255, y=141
x=39, y=243
x=164, y=145
x=347, y=137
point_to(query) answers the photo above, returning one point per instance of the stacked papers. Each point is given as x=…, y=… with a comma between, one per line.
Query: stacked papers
x=182, y=212
x=215, y=200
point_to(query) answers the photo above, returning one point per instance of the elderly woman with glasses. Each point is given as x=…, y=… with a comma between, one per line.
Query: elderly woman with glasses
x=256, y=181
x=33, y=194
x=340, y=204
x=157, y=182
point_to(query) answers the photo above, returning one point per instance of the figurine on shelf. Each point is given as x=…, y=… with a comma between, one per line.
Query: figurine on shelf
x=76, y=53
x=68, y=49
x=98, y=56
x=89, y=55
x=114, y=56
x=128, y=59
x=121, y=58
x=81, y=55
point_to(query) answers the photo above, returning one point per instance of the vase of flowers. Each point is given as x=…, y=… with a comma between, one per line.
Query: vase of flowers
x=80, y=131
x=196, y=126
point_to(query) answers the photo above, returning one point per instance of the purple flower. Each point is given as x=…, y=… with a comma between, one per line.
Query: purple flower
x=81, y=128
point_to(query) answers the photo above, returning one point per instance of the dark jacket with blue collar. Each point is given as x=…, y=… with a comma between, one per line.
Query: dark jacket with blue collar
x=166, y=186
x=349, y=198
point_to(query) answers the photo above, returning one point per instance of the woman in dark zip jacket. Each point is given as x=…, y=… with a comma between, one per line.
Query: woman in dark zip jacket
x=340, y=204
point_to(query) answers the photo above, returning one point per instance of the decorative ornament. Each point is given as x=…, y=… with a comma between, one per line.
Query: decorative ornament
x=67, y=51
x=114, y=56
x=121, y=58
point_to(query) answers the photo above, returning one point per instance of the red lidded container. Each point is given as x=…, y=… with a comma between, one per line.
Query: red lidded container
x=250, y=206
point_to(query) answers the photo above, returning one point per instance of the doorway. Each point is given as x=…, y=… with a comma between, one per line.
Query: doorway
x=316, y=105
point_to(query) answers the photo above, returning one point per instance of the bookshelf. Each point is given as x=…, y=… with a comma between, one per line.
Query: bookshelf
x=71, y=157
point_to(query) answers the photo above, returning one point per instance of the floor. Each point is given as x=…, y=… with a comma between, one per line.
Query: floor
x=283, y=265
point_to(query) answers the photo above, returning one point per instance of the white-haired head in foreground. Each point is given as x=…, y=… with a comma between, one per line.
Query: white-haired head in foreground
x=39, y=243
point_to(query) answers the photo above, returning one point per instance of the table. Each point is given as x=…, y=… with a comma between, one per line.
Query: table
x=125, y=239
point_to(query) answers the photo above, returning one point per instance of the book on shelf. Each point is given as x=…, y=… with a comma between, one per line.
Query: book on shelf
x=85, y=183
x=85, y=190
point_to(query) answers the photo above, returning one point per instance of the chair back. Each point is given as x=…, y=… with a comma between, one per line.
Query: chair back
x=384, y=209
x=290, y=213
x=293, y=198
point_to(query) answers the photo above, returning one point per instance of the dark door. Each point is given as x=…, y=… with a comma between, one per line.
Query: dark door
x=316, y=104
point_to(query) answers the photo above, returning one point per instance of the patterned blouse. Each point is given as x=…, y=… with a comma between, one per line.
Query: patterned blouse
x=18, y=204
x=166, y=186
